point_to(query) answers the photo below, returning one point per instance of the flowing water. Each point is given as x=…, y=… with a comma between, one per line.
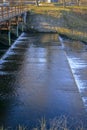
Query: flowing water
x=42, y=75
x=77, y=58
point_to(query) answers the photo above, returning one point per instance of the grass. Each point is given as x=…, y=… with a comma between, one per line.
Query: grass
x=60, y=123
x=73, y=19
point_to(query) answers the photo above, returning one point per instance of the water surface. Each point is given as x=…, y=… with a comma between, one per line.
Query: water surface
x=36, y=81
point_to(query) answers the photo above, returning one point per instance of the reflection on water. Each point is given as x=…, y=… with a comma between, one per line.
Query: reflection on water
x=36, y=82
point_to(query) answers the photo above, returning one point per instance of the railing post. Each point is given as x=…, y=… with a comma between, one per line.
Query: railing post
x=9, y=33
x=8, y=11
x=15, y=10
x=17, y=30
x=12, y=11
x=22, y=26
x=9, y=37
x=2, y=12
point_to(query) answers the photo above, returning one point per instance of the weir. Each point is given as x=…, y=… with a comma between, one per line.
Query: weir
x=36, y=81
x=42, y=75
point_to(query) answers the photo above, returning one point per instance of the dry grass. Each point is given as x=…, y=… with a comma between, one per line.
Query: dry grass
x=74, y=19
x=61, y=123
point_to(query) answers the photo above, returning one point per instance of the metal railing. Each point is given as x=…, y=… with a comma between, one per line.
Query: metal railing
x=7, y=12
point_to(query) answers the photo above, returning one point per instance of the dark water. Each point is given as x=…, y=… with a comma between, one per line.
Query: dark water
x=3, y=49
x=36, y=81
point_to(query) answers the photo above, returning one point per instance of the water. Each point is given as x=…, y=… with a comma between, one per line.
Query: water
x=77, y=57
x=3, y=49
x=37, y=80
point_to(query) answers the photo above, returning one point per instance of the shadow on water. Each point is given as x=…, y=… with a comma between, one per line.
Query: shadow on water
x=35, y=83
x=3, y=49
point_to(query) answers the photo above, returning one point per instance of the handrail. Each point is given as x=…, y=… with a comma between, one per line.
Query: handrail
x=7, y=12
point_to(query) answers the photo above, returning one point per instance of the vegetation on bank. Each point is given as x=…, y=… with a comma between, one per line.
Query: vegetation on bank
x=73, y=19
x=61, y=123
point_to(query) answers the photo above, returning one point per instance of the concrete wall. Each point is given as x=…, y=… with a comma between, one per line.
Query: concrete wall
x=42, y=23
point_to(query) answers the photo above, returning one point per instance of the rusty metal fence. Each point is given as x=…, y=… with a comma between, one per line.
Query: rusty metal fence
x=7, y=12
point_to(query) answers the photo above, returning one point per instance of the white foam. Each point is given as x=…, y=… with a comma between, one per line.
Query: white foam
x=9, y=52
x=76, y=65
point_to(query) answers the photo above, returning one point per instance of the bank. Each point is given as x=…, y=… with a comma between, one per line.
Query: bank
x=69, y=21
